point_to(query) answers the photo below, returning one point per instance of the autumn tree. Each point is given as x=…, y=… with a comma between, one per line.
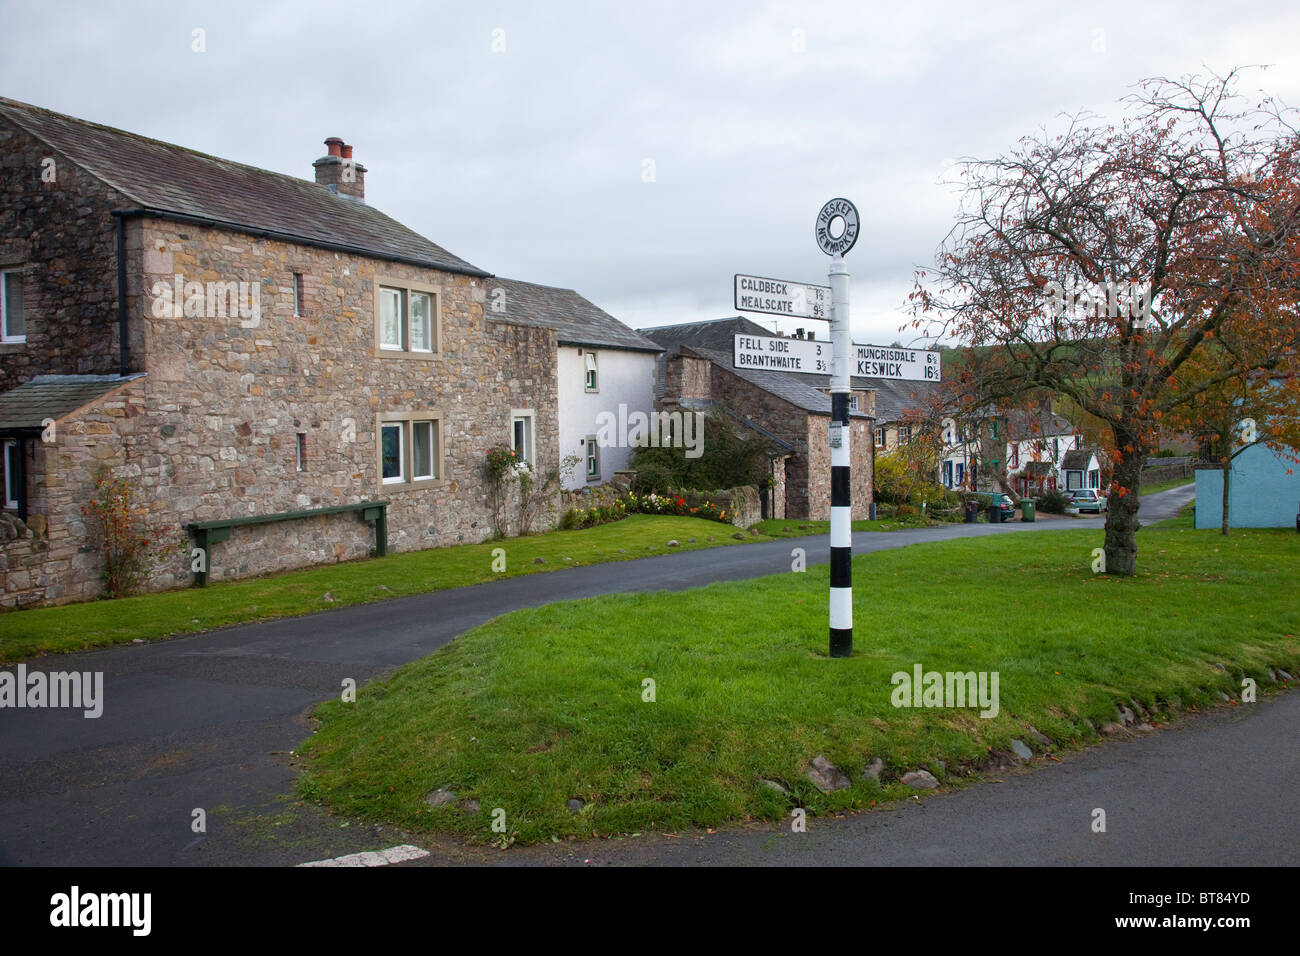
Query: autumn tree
x=1097, y=262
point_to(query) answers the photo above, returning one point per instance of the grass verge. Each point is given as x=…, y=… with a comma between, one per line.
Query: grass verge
x=1165, y=485
x=73, y=627
x=546, y=705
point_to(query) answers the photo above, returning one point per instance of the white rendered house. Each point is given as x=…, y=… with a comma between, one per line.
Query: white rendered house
x=605, y=370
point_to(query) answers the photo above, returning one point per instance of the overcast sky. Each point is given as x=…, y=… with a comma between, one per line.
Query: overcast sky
x=640, y=153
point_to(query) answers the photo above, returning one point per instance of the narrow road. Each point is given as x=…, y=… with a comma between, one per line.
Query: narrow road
x=207, y=722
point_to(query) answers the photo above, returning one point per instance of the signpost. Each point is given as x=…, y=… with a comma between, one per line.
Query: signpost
x=781, y=297
x=836, y=232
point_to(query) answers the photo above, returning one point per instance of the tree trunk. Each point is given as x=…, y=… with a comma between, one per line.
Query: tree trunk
x=1122, y=516
x=1227, y=480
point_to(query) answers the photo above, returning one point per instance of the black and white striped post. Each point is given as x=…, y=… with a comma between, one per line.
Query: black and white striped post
x=837, y=230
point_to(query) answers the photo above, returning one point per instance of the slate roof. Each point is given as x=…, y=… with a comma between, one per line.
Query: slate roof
x=169, y=179
x=579, y=321
x=53, y=396
x=1076, y=459
x=718, y=334
x=1024, y=425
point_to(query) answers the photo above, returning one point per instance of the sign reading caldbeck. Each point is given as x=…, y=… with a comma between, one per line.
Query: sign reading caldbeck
x=782, y=297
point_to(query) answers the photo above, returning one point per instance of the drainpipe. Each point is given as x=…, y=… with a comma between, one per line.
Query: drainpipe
x=123, y=347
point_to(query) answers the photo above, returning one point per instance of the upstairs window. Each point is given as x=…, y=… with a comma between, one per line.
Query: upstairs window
x=13, y=324
x=591, y=381
x=904, y=434
x=406, y=320
x=880, y=437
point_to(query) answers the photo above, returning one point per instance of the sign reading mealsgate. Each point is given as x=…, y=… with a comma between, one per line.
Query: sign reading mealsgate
x=782, y=297
x=807, y=355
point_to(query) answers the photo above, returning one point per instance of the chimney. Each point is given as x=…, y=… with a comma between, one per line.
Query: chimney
x=338, y=172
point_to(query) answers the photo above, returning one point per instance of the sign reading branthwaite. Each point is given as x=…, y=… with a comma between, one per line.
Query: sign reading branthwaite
x=808, y=355
x=782, y=355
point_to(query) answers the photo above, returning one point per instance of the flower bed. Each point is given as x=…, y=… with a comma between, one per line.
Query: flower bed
x=651, y=504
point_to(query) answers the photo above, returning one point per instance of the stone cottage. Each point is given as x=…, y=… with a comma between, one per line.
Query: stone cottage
x=791, y=411
x=240, y=344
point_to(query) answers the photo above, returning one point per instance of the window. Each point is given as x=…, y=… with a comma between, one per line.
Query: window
x=13, y=323
x=421, y=450
x=1056, y=449
x=593, y=459
x=880, y=437
x=13, y=469
x=1013, y=455
x=297, y=295
x=390, y=450
x=521, y=434
x=904, y=434
x=406, y=320
x=591, y=382
x=853, y=403
x=302, y=451
x=410, y=448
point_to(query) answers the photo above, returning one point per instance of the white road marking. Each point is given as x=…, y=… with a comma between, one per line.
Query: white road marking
x=394, y=854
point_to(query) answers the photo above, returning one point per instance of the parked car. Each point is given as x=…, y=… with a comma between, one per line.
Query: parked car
x=1003, y=501
x=1086, y=499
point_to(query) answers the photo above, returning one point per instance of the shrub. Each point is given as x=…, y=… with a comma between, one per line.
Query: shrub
x=1052, y=502
x=130, y=552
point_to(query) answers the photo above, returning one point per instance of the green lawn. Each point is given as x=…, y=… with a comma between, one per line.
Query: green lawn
x=1166, y=485
x=74, y=627
x=801, y=527
x=543, y=705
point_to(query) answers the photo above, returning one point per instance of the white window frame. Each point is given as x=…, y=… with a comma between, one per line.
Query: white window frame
x=5, y=337
x=881, y=436
x=401, y=478
x=405, y=290
x=904, y=434
x=528, y=417
x=593, y=457
x=433, y=449
x=590, y=372
x=9, y=503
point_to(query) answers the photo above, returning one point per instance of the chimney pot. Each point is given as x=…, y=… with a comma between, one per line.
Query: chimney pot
x=334, y=144
x=347, y=151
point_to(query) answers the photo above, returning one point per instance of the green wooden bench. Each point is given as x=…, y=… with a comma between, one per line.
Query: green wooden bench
x=208, y=533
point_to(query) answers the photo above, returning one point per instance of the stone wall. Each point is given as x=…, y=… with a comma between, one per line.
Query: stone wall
x=211, y=431
x=63, y=235
x=1157, y=470
x=817, y=475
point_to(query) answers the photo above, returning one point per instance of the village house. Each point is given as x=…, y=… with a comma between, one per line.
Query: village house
x=240, y=344
x=605, y=370
x=697, y=372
